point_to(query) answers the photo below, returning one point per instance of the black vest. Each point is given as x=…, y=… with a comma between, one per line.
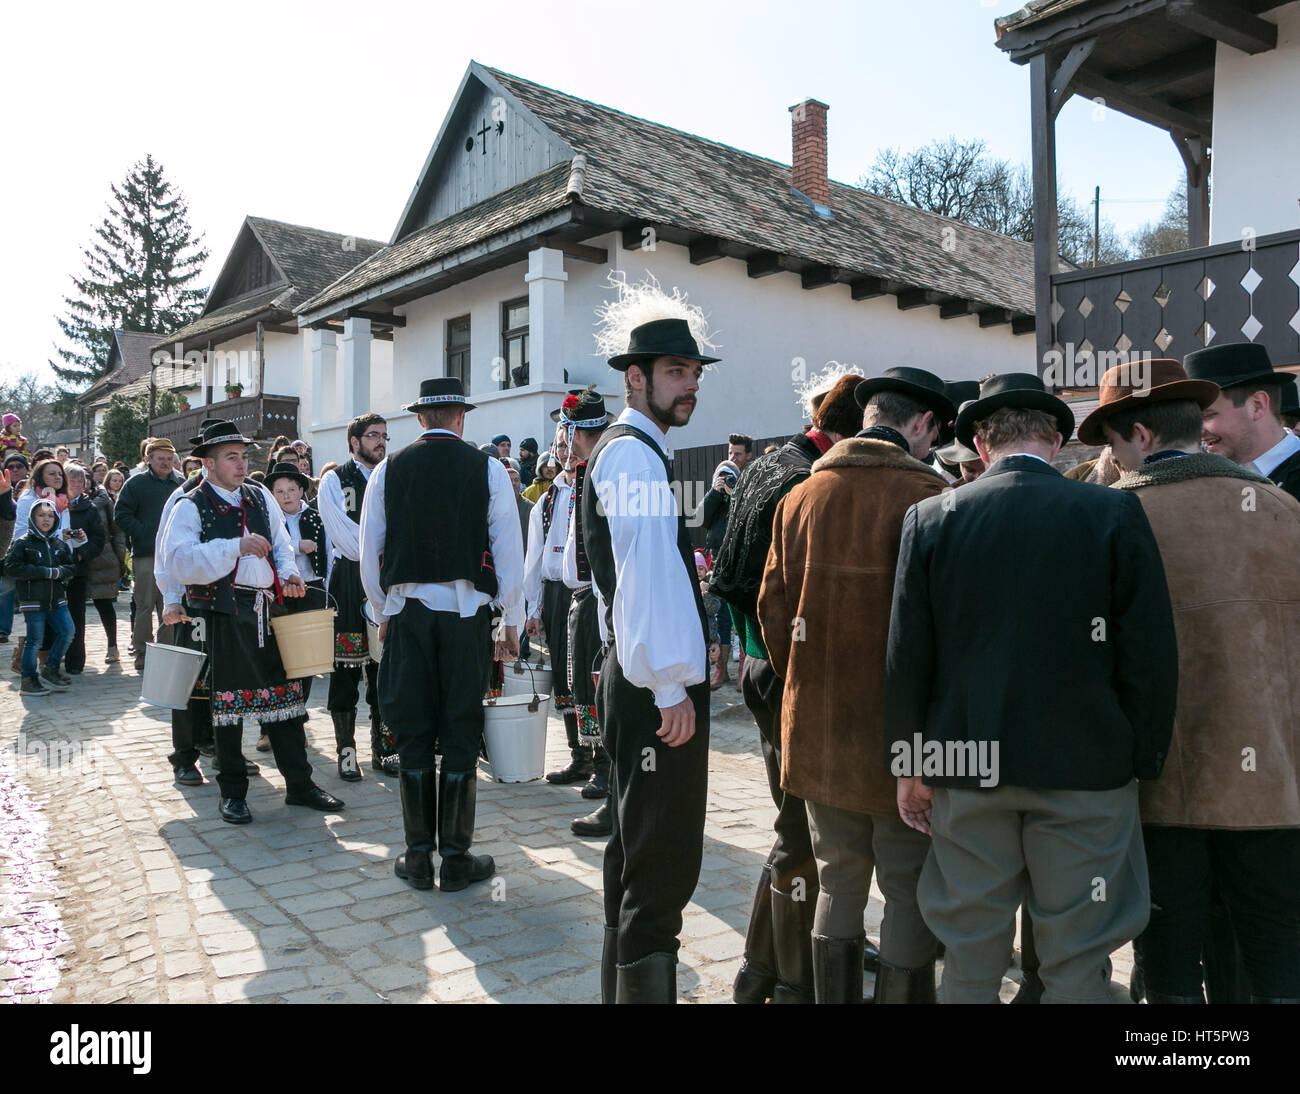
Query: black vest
x=312, y=528
x=594, y=529
x=548, y=512
x=220, y=520
x=436, y=507
x=353, y=483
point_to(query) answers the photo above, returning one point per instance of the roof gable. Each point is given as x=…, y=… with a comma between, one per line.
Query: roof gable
x=489, y=142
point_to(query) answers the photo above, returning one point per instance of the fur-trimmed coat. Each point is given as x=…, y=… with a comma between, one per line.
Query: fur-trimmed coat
x=1230, y=541
x=824, y=612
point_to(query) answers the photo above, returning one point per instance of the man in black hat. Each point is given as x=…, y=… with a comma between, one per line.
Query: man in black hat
x=653, y=700
x=583, y=420
x=237, y=564
x=342, y=494
x=192, y=727
x=777, y=962
x=434, y=562
x=1245, y=422
x=1055, y=695
x=527, y=461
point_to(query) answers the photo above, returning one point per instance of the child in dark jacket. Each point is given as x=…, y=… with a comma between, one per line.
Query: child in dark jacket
x=41, y=564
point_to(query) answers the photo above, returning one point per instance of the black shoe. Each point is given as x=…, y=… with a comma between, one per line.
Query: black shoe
x=599, y=823
x=870, y=956
x=457, y=795
x=419, y=791
x=837, y=969
x=653, y=979
x=188, y=776
x=349, y=769
x=313, y=797
x=207, y=749
x=235, y=811
x=390, y=765
x=898, y=985
x=580, y=768
x=597, y=786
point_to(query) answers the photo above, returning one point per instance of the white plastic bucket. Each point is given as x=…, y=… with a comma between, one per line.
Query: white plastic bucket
x=375, y=646
x=306, y=642
x=514, y=731
x=521, y=678
x=170, y=673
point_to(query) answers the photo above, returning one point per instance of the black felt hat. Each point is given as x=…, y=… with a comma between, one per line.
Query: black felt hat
x=442, y=391
x=1290, y=397
x=218, y=432
x=583, y=410
x=1231, y=365
x=286, y=470
x=1018, y=389
x=660, y=338
x=925, y=387
x=203, y=425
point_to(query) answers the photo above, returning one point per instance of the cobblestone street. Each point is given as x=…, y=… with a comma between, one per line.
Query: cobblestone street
x=116, y=885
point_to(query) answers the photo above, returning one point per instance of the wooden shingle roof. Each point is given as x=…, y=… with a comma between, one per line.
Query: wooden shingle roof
x=627, y=171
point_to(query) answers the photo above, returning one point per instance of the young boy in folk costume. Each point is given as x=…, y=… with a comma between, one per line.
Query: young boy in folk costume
x=236, y=560
x=342, y=493
x=311, y=553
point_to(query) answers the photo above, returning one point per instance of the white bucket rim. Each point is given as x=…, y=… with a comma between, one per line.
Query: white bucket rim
x=175, y=649
x=514, y=700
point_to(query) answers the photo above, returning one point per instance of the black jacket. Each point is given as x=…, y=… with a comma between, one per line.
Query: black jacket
x=1287, y=475
x=41, y=569
x=83, y=515
x=716, y=507
x=1045, y=602
x=140, y=506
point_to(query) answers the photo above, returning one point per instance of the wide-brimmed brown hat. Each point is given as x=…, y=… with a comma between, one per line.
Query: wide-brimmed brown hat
x=1129, y=385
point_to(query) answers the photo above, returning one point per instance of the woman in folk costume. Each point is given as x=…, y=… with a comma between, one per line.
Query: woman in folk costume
x=653, y=698
x=237, y=564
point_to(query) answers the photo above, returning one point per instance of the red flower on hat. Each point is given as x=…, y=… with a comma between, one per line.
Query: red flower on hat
x=571, y=402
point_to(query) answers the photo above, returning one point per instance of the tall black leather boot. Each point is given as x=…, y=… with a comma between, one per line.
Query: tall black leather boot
x=419, y=791
x=609, y=967
x=756, y=979
x=580, y=765
x=383, y=758
x=457, y=793
x=653, y=979
x=598, y=786
x=898, y=985
x=837, y=969
x=345, y=739
x=792, y=922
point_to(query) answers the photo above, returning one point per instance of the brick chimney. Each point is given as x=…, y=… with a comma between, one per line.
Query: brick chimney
x=808, y=130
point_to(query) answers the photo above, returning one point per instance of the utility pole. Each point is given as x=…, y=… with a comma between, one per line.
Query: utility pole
x=1096, y=223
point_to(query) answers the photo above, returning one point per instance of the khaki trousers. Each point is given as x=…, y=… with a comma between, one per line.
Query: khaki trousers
x=148, y=600
x=1076, y=859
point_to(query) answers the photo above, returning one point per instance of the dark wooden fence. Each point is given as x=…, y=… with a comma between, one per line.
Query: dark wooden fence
x=693, y=471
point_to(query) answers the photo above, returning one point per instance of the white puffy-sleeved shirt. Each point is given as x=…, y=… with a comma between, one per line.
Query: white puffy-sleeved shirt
x=656, y=623
x=187, y=561
x=545, y=558
x=505, y=541
x=171, y=589
x=342, y=531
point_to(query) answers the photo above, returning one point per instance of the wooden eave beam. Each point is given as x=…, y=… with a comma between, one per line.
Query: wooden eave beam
x=705, y=249
x=817, y=277
x=388, y=320
x=1224, y=22
x=1065, y=72
x=865, y=288
x=584, y=252
x=1022, y=324
x=993, y=317
x=762, y=265
x=913, y=298
x=955, y=306
x=1167, y=71
x=1143, y=107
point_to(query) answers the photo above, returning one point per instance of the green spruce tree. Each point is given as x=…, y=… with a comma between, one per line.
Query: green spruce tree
x=139, y=276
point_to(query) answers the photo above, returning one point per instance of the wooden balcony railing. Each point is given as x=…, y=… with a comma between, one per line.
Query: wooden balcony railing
x=262, y=417
x=1173, y=304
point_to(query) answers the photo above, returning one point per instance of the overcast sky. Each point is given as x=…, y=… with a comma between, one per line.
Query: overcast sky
x=322, y=113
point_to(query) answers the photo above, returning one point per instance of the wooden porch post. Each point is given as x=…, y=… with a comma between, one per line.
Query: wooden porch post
x=1043, y=142
x=1196, y=160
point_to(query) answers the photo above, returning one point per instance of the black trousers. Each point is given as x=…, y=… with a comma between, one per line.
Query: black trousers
x=191, y=728
x=657, y=798
x=792, y=853
x=75, y=658
x=344, y=681
x=1258, y=875
x=431, y=685
x=288, y=745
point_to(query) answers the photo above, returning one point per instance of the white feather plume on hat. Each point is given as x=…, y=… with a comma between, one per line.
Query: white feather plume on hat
x=644, y=302
x=819, y=383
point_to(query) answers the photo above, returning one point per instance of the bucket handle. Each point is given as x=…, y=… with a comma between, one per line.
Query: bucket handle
x=536, y=700
x=326, y=595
